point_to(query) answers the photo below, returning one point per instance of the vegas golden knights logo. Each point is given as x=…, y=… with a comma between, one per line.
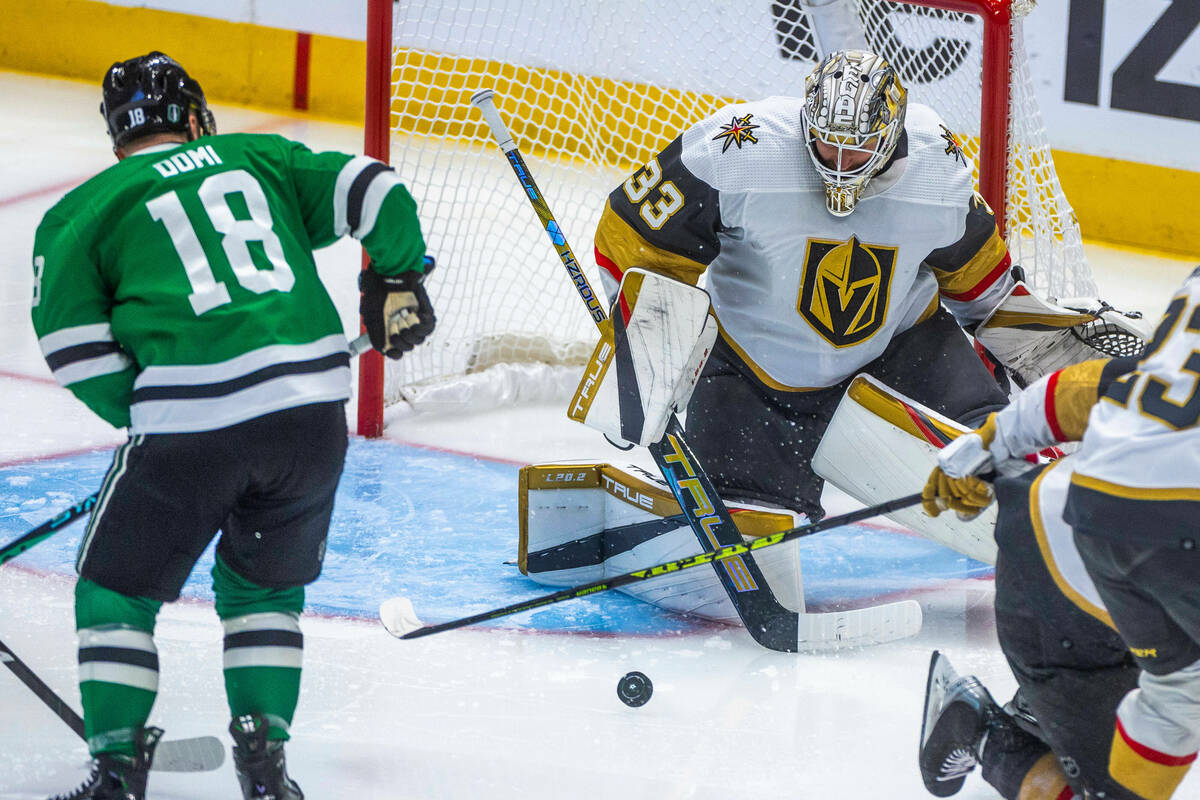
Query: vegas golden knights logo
x=844, y=292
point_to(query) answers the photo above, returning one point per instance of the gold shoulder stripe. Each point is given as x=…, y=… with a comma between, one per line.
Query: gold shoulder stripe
x=621, y=243
x=1075, y=392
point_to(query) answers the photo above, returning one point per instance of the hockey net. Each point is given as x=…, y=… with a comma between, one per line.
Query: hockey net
x=591, y=91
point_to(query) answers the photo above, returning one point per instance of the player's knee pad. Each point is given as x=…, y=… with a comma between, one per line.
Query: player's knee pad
x=584, y=522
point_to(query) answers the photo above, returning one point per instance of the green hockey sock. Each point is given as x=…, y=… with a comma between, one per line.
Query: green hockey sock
x=118, y=665
x=263, y=647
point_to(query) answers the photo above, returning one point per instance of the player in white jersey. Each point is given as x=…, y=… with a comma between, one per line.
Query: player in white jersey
x=839, y=233
x=1115, y=526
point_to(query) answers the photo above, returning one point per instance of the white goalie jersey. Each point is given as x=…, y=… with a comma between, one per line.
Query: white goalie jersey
x=803, y=297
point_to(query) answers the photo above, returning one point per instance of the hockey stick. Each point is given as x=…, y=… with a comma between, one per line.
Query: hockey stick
x=197, y=754
x=885, y=622
x=52, y=526
x=771, y=625
x=48, y=528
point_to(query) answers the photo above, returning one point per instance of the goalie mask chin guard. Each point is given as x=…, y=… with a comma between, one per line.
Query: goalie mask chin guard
x=855, y=104
x=152, y=94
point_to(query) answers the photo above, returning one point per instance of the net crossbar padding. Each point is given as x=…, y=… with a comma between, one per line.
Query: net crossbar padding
x=590, y=96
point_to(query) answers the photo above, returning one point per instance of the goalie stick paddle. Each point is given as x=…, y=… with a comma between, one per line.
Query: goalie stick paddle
x=64, y=518
x=197, y=754
x=771, y=625
x=890, y=621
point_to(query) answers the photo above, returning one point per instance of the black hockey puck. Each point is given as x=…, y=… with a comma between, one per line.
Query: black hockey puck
x=635, y=689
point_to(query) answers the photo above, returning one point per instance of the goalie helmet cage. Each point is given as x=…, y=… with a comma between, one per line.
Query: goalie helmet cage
x=589, y=97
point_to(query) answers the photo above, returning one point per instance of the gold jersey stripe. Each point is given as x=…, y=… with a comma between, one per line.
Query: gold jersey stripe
x=1136, y=492
x=977, y=268
x=625, y=247
x=1043, y=542
x=1075, y=392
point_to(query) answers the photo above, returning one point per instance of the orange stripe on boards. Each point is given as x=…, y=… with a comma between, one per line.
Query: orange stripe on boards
x=300, y=77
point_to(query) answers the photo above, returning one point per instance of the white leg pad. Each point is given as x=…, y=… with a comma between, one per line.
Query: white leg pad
x=584, y=522
x=880, y=445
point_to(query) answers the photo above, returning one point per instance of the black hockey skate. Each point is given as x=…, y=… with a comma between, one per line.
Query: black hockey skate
x=958, y=715
x=259, y=763
x=119, y=777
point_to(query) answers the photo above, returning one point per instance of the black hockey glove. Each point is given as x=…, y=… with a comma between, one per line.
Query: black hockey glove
x=395, y=309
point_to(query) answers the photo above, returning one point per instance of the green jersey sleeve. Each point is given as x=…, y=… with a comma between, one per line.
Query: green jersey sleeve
x=71, y=310
x=360, y=196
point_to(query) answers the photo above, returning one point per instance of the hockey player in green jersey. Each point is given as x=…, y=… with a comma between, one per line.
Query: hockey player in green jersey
x=176, y=294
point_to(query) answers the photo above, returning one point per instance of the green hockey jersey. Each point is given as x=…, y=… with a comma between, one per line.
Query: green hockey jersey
x=176, y=291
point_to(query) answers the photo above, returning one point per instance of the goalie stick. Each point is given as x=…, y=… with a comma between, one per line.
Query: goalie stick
x=874, y=625
x=64, y=518
x=771, y=625
x=197, y=754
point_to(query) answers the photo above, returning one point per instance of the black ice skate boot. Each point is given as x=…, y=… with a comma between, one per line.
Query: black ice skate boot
x=259, y=763
x=958, y=715
x=119, y=777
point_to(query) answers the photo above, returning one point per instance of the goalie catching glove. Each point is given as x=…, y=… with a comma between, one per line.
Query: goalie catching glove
x=1033, y=337
x=395, y=309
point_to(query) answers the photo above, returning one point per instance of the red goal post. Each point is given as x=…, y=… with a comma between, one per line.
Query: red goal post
x=584, y=122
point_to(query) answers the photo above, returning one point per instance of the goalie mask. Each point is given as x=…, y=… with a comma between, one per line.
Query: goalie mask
x=854, y=109
x=152, y=94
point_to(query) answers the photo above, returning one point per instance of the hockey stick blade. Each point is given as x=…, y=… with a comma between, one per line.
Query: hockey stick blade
x=859, y=627
x=64, y=518
x=811, y=631
x=198, y=754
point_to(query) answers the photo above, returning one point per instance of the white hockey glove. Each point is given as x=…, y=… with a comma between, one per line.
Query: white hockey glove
x=644, y=368
x=1033, y=337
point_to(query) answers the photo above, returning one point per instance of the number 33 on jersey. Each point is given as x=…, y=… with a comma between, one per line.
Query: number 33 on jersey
x=165, y=285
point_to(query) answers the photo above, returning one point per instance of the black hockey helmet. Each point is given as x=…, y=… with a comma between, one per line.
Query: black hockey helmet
x=152, y=94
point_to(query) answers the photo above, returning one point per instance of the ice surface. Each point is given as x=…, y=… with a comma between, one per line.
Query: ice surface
x=527, y=709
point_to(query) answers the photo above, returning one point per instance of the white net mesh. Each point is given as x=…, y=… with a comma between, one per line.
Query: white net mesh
x=591, y=91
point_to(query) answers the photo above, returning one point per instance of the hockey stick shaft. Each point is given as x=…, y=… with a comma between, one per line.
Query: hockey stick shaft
x=64, y=518
x=198, y=754
x=48, y=528
x=708, y=557
x=771, y=625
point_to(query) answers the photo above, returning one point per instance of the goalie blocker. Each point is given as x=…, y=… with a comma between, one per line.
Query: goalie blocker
x=642, y=370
